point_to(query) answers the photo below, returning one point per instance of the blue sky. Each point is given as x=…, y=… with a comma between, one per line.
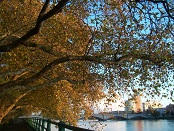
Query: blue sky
x=163, y=101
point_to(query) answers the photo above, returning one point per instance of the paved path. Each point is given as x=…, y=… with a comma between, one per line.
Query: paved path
x=18, y=125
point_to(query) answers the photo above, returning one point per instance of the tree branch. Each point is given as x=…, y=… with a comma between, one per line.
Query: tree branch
x=53, y=64
x=53, y=82
x=41, y=47
x=4, y=113
x=43, y=11
x=33, y=44
x=48, y=84
x=36, y=29
x=164, y=2
x=15, y=73
x=157, y=61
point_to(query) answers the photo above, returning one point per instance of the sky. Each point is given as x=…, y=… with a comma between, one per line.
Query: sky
x=118, y=106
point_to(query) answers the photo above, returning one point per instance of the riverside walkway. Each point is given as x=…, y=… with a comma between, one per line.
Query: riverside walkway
x=18, y=125
x=38, y=124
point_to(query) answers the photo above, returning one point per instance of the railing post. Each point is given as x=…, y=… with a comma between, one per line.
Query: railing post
x=43, y=125
x=60, y=127
x=48, y=125
x=34, y=122
x=39, y=125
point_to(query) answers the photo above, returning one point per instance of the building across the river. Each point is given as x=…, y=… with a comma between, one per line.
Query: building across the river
x=170, y=108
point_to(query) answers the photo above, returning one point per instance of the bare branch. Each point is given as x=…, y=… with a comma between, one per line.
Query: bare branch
x=164, y=2
x=166, y=6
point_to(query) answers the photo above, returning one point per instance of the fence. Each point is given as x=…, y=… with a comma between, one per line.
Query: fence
x=39, y=124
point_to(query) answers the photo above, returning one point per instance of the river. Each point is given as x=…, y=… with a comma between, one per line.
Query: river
x=129, y=125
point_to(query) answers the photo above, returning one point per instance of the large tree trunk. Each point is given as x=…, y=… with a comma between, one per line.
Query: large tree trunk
x=5, y=111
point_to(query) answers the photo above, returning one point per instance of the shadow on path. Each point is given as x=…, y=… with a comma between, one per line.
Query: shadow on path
x=17, y=125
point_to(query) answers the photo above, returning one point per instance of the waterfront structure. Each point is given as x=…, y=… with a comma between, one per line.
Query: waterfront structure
x=161, y=110
x=134, y=105
x=137, y=105
x=170, y=108
x=143, y=105
x=117, y=112
x=129, y=106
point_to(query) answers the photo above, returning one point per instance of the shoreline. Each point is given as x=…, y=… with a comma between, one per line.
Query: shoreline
x=136, y=118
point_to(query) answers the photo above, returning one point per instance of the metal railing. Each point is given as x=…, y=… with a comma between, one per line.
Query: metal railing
x=40, y=124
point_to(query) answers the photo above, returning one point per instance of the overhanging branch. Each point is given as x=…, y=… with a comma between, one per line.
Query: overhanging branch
x=43, y=11
x=35, y=30
x=53, y=82
x=46, y=84
x=53, y=64
x=8, y=109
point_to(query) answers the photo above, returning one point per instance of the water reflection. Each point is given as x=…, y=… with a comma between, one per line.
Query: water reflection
x=130, y=125
x=139, y=125
x=135, y=125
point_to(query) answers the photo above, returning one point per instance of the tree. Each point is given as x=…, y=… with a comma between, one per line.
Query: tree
x=58, y=59
x=167, y=113
x=155, y=113
x=172, y=113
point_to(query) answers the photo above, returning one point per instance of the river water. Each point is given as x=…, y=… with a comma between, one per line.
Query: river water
x=129, y=125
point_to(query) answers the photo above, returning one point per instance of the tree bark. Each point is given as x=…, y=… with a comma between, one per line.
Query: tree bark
x=4, y=113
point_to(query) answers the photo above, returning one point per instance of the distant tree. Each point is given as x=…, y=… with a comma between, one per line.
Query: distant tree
x=155, y=113
x=167, y=113
x=133, y=112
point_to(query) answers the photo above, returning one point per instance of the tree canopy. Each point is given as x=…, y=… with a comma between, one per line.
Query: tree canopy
x=60, y=57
